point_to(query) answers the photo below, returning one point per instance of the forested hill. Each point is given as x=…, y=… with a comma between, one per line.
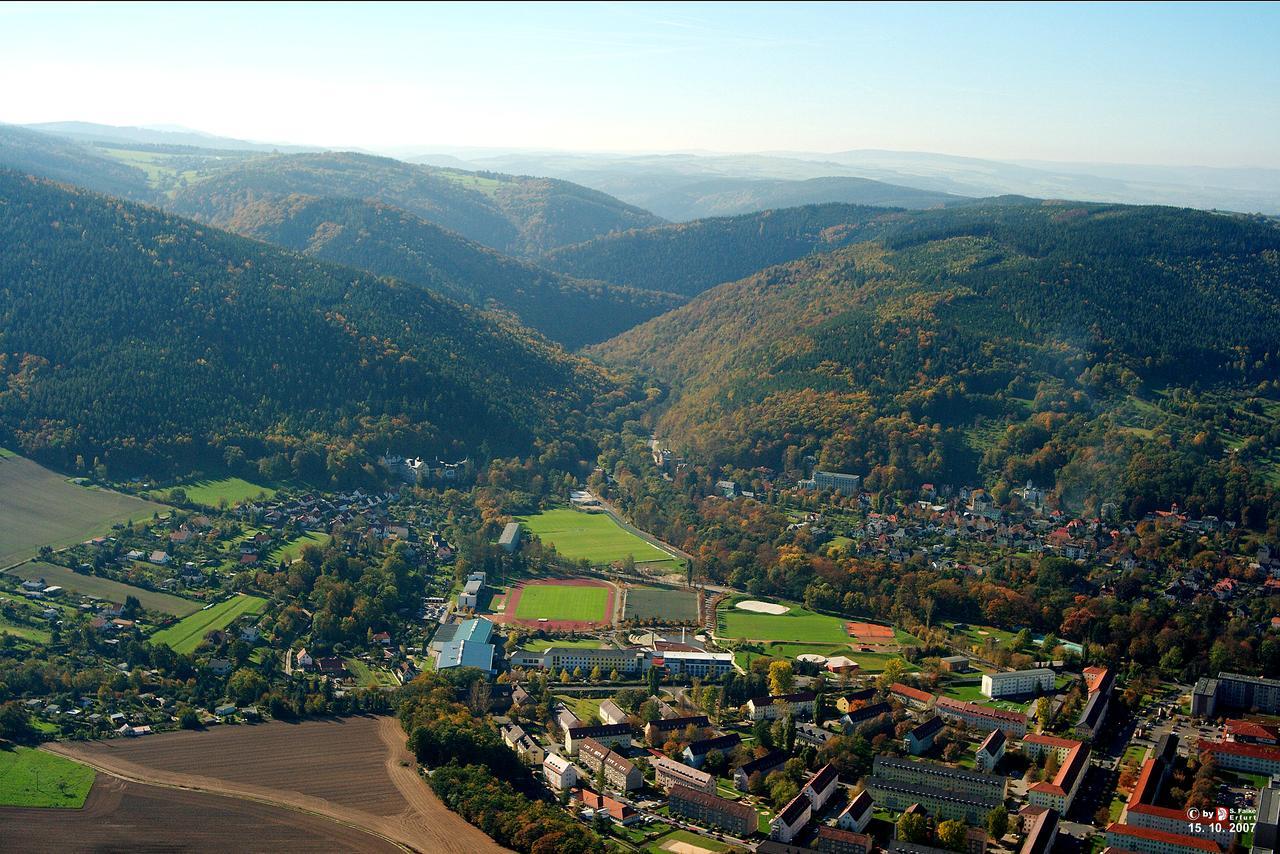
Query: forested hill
x=392, y=242
x=1069, y=343
x=63, y=160
x=512, y=214
x=150, y=340
x=687, y=258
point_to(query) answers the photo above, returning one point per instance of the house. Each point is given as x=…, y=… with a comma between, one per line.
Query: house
x=619, y=772
x=791, y=819
x=302, y=660
x=657, y=732
x=854, y=699
x=523, y=744
x=668, y=773
x=990, y=752
x=764, y=766
x=798, y=704
x=159, y=558
x=920, y=739
x=225, y=711
x=623, y=814
x=382, y=638
x=560, y=773
x=220, y=666
x=857, y=813
x=609, y=712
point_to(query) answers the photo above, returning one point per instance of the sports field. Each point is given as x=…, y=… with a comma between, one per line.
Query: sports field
x=559, y=602
x=211, y=493
x=39, y=507
x=186, y=634
x=798, y=625
x=105, y=588
x=661, y=603
x=593, y=536
x=34, y=778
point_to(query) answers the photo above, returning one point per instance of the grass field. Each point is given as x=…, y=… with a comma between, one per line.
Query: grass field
x=33, y=778
x=539, y=644
x=661, y=603
x=370, y=677
x=797, y=625
x=292, y=550
x=25, y=632
x=586, y=708
x=593, y=536
x=39, y=507
x=562, y=602
x=211, y=493
x=970, y=691
x=186, y=635
x=683, y=842
x=106, y=588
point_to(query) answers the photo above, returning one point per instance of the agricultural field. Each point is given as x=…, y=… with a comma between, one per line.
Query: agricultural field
x=105, y=588
x=661, y=603
x=39, y=507
x=355, y=770
x=797, y=625
x=292, y=550
x=125, y=816
x=34, y=778
x=592, y=536
x=212, y=493
x=563, y=602
x=186, y=634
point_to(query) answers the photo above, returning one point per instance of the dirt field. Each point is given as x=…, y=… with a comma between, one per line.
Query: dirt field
x=354, y=770
x=870, y=632
x=125, y=816
x=512, y=605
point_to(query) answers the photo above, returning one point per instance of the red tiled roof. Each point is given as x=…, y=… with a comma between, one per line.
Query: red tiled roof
x=912, y=693
x=1239, y=748
x=1250, y=729
x=1144, y=789
x=984, y=711
x=1050, y=740
x=1161, y=836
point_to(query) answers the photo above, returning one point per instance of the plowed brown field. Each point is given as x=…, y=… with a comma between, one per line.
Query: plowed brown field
x=356, y=771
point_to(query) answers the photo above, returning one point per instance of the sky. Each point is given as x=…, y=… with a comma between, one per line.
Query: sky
x=1192, y=84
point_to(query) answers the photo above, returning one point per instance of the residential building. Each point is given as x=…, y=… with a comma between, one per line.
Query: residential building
x=982, y=717
x=920, y=739
x=693, y=663
x=610, y=735
x=525, y=747
x=820, y=786
x=1266, y=832
x=1252, y=732
x=1142, y=840
x=854, y=699
x=799, y=705
x=834, y=481
x=857, y=814
x=945, y=792
x=1240, y=756
x=712, y=810
x=560, y=772
x=853, y=719
x=669, y=773
x=835, y=840
x=611, y=714
x=620, y=773
x=629, y=661
x=791, y=819
x=1061, y=792
x=1037, y=745
x=696, y=753
x=1017, y=683
x=1099, y=681
x=764, y=766
x=990, y=752
x=657, y=732
x=623, y=814
x=1237, y=692
x=469, y=598
x=1146, y=809
x=912, y=698
x=1041, y=833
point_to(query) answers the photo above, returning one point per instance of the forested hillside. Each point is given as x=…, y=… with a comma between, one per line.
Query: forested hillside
x=687, y=258
x=392, y=242
x=516, y=215
x=146, y=341
x=1086, y=346
x=62, y=160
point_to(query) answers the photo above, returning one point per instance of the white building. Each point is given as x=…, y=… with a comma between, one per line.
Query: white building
x=560, y=772
x=1038, y=680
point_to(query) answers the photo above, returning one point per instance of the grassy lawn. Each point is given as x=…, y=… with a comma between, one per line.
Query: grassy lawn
x=539, y=644
x=586, y=708
x=186, y=635
x=34, y=778
x=797, y=625
x=677, y=835
x=211, y=493
x=562, y=602
x=593, y=536
x=7, y=627
x=292, y=550
x=659, y=603
x=370, y=677
x=39, y=507
x=106, y=588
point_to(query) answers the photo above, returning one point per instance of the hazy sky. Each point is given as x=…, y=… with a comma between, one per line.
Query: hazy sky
x=1168, y=83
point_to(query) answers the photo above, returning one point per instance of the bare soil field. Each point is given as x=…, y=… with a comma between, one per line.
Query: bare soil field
x=355, y=770
x=124, y=816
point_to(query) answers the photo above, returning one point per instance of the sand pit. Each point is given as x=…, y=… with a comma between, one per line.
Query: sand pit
x=757, y=607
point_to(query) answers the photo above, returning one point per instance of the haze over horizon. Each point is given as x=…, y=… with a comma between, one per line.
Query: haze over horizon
x=1131, y=84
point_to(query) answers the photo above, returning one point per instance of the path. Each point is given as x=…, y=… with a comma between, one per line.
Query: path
x=616, y=516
